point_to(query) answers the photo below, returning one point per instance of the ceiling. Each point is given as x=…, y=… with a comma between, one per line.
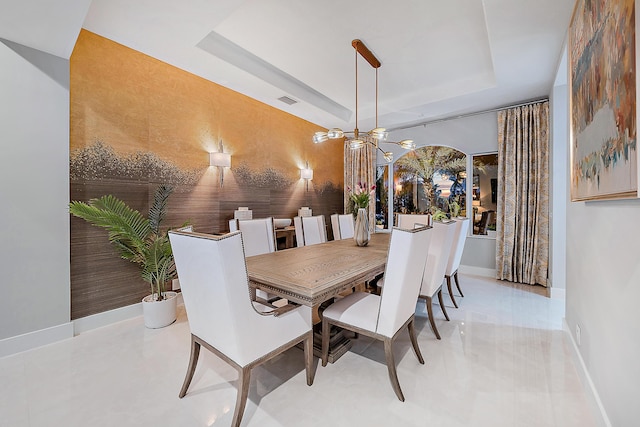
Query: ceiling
x=439, y=58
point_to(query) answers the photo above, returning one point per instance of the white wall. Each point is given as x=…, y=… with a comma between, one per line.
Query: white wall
x=471, y=135
x=559, y=184
x=34, y=184
x=603, y=292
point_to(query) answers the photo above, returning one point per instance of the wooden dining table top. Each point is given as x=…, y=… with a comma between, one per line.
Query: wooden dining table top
x=310, y=275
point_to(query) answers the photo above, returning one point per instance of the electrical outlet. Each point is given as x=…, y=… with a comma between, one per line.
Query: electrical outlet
x=578, y=334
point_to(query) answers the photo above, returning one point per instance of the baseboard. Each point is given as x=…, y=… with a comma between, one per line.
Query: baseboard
x=477, y=271
x=31, y=340
x=106, y=318
x=590, y=389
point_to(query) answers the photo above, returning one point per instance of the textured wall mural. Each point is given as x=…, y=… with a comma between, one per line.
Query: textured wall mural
x=137, y=122
x=100, y=161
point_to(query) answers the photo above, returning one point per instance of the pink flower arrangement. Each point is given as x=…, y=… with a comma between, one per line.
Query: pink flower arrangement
x=361, y=196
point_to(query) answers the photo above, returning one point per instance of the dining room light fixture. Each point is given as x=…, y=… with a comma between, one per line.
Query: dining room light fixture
x=307, y=174
x=375, y=136
x=220, y=160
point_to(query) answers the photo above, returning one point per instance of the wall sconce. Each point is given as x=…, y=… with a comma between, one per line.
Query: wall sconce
x=220, y=160
x=307, y=175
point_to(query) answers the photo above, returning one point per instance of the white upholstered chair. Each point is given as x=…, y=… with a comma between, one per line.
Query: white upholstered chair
x=408, y=221
x=384, y=316
x=343, y=226
x=258, y=237
x=310, y=230
x=297, y=225
x=224, y=320
x=462, y=227
x=437, y=258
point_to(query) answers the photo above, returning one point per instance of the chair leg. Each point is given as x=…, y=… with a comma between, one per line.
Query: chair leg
x=453, y=300
x=455, y=276
x=391, y=367
x=244, y=374
x=444, y=310
x=308, y=358
x=193, y=361
x=414, y=342
x=325, y=341
x=430, y=313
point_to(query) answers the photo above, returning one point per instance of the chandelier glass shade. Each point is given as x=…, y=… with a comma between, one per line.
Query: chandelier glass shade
x=375, y=136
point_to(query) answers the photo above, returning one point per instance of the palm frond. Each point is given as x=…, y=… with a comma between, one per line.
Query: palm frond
x=158, y=208
x=127, y=228
x=159, y=266
x=110, y=212
x=135, y=238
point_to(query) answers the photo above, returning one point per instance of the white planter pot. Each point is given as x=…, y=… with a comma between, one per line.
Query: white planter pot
x=158, y=314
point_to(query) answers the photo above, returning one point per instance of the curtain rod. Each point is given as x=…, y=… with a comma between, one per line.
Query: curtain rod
x=476, y=113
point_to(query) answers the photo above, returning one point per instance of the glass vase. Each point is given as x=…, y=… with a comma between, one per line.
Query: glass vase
x=361, y=231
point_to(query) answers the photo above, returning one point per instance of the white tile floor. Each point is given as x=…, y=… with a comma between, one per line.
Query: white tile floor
x=503, y=361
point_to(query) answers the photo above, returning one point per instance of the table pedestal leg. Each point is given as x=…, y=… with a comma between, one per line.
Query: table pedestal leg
x=339, y=344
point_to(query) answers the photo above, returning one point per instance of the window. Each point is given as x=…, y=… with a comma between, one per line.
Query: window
x=430, y=180
x=485, y=193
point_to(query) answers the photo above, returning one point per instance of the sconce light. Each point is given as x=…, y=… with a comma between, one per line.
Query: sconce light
x=307, y=175
x=220, y=160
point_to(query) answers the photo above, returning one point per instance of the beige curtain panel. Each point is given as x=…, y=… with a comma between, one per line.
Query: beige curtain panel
x=359, y=167
x=522, y=244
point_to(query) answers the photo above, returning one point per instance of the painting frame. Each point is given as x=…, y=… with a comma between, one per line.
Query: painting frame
x=603, y=90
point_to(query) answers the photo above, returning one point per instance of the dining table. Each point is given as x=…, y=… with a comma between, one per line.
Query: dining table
x=314, y=275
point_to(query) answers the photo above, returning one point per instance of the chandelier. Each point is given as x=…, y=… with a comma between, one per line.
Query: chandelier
x=356, y=139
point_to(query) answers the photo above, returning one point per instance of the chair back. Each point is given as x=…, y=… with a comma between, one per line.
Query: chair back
x=347, y=226
x=485, y=220
x=233, y=225
x=314, y=229
x=310, y=230
x=403, y=273
x=297, y=224
x=215, y=289
x=258, y=236
x=408, y=221
x=459, y=239
x=437, y=257
x=343, y=226
x=335, y=227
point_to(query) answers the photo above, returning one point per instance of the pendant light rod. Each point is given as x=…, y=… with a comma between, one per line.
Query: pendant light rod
x=374, y=136
x=356, y=56
x=376, y=97
x=366, y=53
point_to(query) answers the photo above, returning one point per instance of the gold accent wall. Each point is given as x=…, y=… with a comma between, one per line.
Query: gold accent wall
x=136, y=122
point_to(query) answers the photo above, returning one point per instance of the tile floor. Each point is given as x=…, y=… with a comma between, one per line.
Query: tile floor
x=503, y=361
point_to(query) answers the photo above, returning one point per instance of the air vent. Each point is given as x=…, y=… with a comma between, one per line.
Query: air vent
x=287, y=100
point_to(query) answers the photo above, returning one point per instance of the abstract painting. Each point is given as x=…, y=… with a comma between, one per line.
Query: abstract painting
x=602, y=58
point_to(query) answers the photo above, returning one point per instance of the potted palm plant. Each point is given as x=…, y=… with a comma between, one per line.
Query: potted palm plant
x=141, y=241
